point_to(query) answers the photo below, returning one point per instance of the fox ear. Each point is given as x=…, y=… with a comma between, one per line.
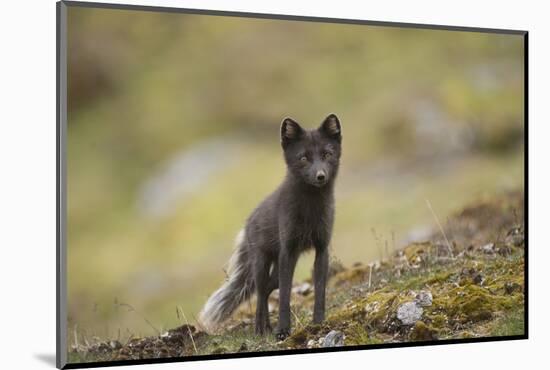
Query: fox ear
x=290, y=131
x=331, y=127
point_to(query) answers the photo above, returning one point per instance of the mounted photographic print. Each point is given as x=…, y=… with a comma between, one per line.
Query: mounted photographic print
x=235, y=184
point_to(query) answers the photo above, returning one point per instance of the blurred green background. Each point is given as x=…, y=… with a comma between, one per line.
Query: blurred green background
x=173, y=138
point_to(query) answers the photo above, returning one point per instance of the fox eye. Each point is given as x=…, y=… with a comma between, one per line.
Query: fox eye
x=327, y=155
x=303, y=158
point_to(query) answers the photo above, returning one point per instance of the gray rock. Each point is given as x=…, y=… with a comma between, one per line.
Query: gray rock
x=478, y=278
x=515, y=237
x=115, y=344
x=424, y=298
x=334, y=339
x=504, y=250
x=243, y=347
x=488, y=248
x=409, y=313
x=303, y=289
x=510, y=288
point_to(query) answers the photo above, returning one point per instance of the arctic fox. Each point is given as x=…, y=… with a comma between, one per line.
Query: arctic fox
x=297, y=216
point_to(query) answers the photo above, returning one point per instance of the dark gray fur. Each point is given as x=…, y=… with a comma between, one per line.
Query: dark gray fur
x=297, y=216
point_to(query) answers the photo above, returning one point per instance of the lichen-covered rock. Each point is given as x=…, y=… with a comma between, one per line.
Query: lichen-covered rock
x=511, y=287
x=515, y=237
x=478, y=278
x=334, y=338
x=115, y=344
x=505, y=250
x=409, y=313
x=488, y=248
x=243, y=347
x=424, y=298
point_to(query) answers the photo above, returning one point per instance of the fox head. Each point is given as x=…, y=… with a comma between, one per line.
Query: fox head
x=312, y=156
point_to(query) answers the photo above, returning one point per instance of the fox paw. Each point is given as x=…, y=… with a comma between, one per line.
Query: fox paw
x=282, y=334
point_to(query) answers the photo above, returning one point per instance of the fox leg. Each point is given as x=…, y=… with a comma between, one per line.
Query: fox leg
x=261, y=276
x=320, y=272
x=273, y=283
x=287, y=264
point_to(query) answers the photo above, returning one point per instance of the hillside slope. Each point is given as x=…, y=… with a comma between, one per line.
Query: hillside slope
x=464, y=281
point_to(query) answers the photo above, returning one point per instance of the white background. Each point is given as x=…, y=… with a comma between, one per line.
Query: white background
x=27, y=182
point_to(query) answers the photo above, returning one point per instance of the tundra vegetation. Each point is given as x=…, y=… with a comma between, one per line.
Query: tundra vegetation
x=428, y=291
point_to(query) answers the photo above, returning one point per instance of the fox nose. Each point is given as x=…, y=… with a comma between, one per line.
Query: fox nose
x=321, y=176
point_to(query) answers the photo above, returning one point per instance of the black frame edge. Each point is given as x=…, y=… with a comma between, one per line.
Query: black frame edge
x=526, y=179
x=224, y=356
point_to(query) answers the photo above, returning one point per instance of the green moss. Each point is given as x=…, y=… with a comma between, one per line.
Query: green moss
x=439, y=278
x=302, y=336
x=423, y=332
x=471, y=303
x=414, y=250
x=357, y=334
x=438, y=321
x=219, y=350
x=512, y=323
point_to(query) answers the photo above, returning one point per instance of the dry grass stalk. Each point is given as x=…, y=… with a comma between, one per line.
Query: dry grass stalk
x=188, y=329
x=449, y=247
